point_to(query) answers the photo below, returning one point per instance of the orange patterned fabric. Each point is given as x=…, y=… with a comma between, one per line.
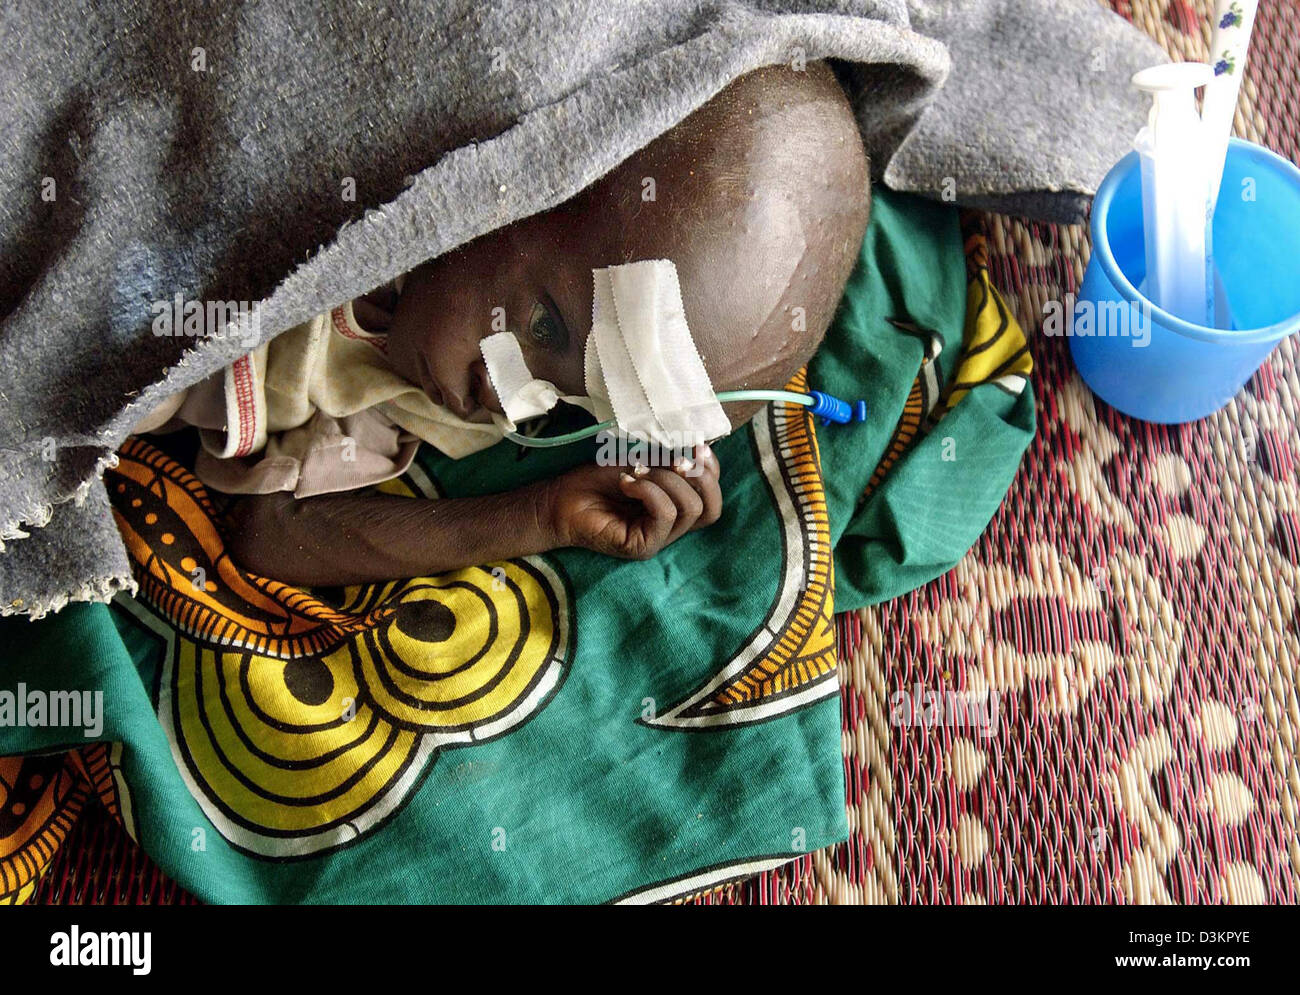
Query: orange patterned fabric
x=41, y=798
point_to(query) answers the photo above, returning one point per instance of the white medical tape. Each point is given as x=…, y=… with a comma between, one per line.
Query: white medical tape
x=642, y=359
x=520, y=393
x=641, y=367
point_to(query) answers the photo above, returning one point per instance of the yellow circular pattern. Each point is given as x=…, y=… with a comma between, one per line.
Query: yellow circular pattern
x=306, y=747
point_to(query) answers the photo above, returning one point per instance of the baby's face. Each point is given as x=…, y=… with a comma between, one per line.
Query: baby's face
x=534, y=279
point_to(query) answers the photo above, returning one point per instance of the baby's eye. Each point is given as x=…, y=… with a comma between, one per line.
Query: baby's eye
x=546, y=330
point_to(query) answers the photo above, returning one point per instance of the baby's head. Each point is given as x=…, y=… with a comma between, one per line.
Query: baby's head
x=759, y=198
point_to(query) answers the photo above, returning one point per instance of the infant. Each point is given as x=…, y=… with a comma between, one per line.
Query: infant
x=760, y=200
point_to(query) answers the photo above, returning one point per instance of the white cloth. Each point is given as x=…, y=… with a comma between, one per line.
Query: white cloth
x=316, y=410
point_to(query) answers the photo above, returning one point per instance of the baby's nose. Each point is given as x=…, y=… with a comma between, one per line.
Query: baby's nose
x=481, y=388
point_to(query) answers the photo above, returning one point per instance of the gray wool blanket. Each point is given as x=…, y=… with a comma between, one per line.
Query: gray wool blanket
x=294, y=154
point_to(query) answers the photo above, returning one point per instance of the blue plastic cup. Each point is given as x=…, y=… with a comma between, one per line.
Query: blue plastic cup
x=1153, y=365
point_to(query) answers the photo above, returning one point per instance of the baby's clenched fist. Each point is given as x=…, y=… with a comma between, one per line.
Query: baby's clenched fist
x=633, y=515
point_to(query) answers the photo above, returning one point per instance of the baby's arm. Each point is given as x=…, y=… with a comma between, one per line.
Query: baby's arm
x=339, y=539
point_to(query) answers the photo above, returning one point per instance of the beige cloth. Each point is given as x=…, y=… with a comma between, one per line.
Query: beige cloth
x=316, y=410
